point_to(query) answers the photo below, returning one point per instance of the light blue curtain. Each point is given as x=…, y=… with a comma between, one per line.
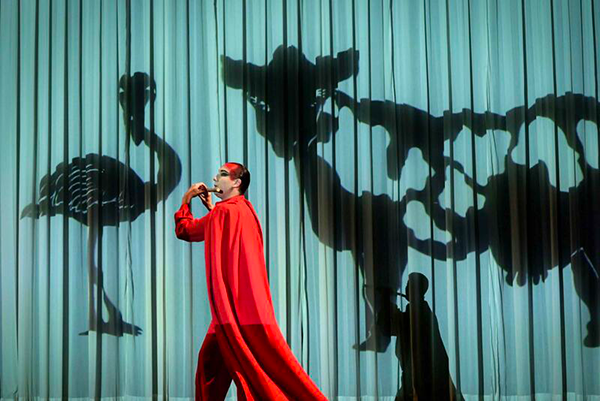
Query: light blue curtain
x=457, y=139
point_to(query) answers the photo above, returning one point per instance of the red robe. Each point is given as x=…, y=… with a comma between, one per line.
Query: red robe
x=244, y=342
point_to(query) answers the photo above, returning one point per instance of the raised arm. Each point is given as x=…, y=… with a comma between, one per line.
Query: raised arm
x=187, y=227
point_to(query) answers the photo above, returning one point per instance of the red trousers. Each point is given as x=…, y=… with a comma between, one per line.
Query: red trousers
x=212, y=376
x=263, y=368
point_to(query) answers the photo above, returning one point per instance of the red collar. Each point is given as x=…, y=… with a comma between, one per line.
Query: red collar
x=230, y=200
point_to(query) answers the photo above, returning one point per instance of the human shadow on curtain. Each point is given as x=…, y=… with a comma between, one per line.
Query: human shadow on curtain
x=419, y=345
x=99, y=191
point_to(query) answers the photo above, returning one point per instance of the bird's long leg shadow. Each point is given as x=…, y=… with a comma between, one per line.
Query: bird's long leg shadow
x=97, y=296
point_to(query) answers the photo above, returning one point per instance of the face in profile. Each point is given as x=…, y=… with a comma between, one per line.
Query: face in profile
x=225, y=182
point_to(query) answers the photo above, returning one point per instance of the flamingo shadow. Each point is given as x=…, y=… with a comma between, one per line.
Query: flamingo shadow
x=99, y=191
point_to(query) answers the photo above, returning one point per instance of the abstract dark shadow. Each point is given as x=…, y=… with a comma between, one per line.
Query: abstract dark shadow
x=289, y=95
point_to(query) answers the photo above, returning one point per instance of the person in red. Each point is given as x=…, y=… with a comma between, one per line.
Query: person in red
x=243, y=342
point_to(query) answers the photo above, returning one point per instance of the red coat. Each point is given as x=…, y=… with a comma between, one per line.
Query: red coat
x=240, y=301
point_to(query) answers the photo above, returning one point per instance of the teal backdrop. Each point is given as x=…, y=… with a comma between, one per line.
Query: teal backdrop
x=453, y=138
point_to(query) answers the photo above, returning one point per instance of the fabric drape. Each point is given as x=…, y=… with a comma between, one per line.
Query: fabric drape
x=456, y=139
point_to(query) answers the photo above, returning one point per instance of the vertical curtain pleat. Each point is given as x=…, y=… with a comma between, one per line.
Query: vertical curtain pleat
x=389, y=141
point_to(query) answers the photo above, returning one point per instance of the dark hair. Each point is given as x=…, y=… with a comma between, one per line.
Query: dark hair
x=239, y=171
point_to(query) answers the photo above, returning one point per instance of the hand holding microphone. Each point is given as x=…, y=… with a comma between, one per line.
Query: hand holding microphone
x=205, y=196
x=203, y=192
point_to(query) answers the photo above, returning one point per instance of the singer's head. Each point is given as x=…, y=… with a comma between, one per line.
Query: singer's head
x=233, y=179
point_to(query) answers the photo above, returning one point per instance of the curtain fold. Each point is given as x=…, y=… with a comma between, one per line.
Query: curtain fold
x=426, y=174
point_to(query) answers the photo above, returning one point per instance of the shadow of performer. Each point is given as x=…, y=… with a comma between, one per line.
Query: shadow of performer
x=100, y=191
x=419, y=346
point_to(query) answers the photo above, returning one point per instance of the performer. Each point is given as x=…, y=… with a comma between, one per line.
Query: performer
x=243, y=342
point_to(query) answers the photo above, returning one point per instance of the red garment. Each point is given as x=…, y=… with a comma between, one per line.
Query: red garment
x=243, y=341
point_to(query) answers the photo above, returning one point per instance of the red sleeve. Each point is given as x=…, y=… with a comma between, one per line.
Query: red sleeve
x=187, y=227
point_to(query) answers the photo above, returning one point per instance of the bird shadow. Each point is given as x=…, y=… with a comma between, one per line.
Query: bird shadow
x=99, y=191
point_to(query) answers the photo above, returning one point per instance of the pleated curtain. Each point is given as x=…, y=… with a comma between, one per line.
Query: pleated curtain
x=449, y=142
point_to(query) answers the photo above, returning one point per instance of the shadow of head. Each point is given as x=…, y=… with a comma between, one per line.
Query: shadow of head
x=416, y=287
